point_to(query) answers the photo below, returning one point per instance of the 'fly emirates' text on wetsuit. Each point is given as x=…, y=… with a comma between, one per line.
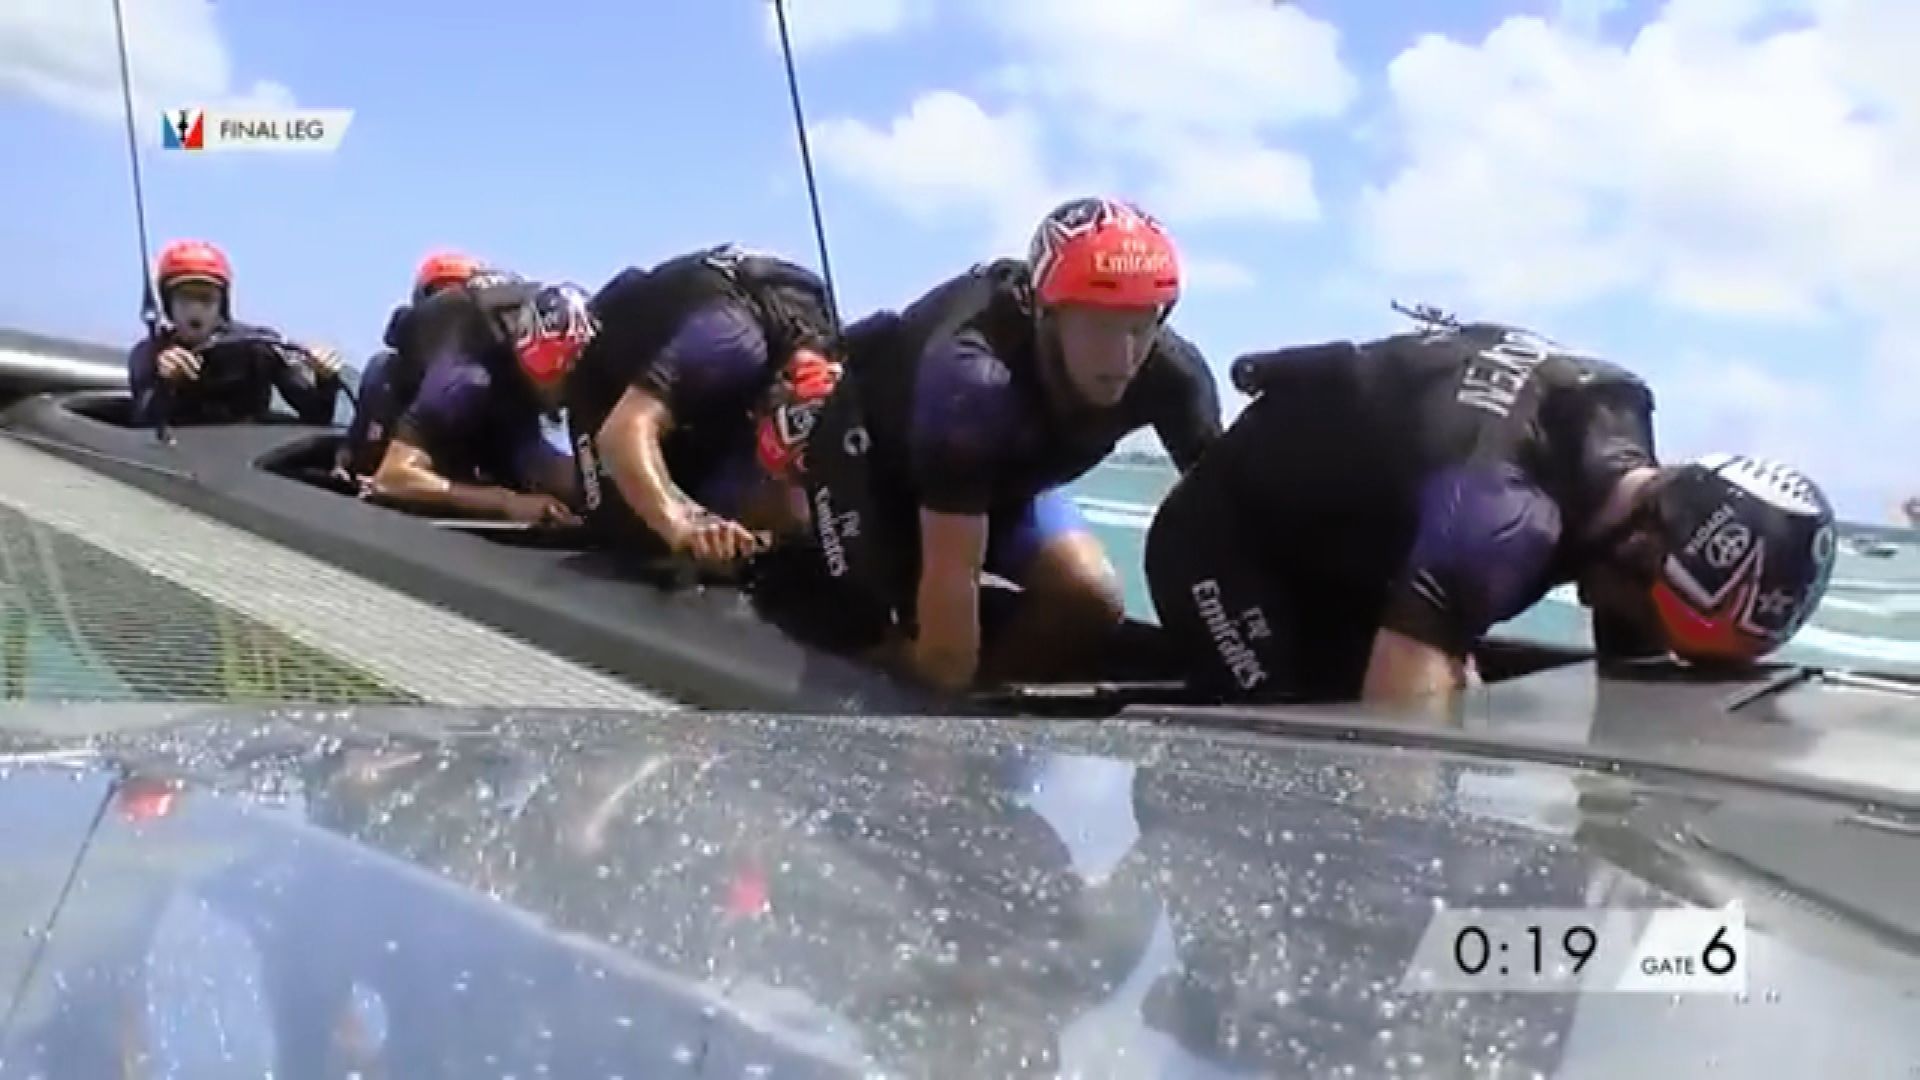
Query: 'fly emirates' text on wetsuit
x=474, y=414
x=1433, y=484
x=963, y=420
x=241, y=367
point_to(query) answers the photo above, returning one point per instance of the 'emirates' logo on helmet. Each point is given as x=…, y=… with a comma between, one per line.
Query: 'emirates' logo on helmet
x=1123, y=263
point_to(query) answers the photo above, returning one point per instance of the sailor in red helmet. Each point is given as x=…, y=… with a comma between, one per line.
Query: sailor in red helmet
x=200, y=366
x=976, y=406
x=478, y=438
x=1379, y=507
x=387, y=387
x=686, y=412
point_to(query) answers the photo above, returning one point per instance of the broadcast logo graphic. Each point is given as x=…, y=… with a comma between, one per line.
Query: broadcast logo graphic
x=184, y=129
x=299, y=130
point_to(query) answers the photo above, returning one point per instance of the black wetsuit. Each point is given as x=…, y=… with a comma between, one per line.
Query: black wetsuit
x=240, y=368
x=954, y=415
x=1433, y=484
x=706, y=334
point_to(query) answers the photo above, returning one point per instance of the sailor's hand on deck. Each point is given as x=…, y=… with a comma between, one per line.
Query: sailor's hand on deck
x=175, y=362
x=716, y=541
x=537, y=509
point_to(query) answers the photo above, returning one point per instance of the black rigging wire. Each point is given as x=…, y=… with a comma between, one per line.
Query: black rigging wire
x=806, y=152
x=149, y=303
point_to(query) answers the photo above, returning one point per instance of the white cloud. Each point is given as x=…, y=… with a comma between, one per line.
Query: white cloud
x=1207, y=181
x=1218, y=67
x=63, y=52
x=1178, y=103
x=946, y=157
x=1862, y=460
x=1741, y=174
x=1735, y=402
x=1586, y=16
x=825, y=24
x=1745, y=160
x=1211, y=274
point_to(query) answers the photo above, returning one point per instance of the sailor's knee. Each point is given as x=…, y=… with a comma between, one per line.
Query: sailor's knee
x=1076, y=581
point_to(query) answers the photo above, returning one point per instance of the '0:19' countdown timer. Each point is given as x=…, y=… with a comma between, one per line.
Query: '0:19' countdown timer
x=1574, y=950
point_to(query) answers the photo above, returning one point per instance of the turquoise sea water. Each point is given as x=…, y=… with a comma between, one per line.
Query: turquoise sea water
x=1870, y=619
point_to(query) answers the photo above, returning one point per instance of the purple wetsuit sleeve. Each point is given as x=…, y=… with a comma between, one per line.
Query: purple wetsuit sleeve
x=450, y=409
x=966, y=411
x=715, y=364
x=1481, y=555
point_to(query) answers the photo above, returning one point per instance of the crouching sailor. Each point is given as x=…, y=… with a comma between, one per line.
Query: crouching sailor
x=978, y=404
x=496, y=355
x=388, y=386
x=1379, y=507
x=687, y=410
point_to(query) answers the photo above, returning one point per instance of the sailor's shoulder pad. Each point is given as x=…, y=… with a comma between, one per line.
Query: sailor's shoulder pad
x=755, y=268
x=493, y=277
x=497, y=294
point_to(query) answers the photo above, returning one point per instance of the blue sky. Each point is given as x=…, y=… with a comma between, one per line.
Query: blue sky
x=1702, y=189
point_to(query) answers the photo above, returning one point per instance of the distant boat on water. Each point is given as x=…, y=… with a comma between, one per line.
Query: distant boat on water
x=1870, y=547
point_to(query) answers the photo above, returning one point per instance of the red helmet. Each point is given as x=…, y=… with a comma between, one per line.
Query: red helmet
x=793, y=407
x=551, y=330
x=1749, y=549
x=192, y=260
x=443, y=268
x=1104, y=253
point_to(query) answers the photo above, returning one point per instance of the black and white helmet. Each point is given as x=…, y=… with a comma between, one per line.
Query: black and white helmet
x=1749, y=550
